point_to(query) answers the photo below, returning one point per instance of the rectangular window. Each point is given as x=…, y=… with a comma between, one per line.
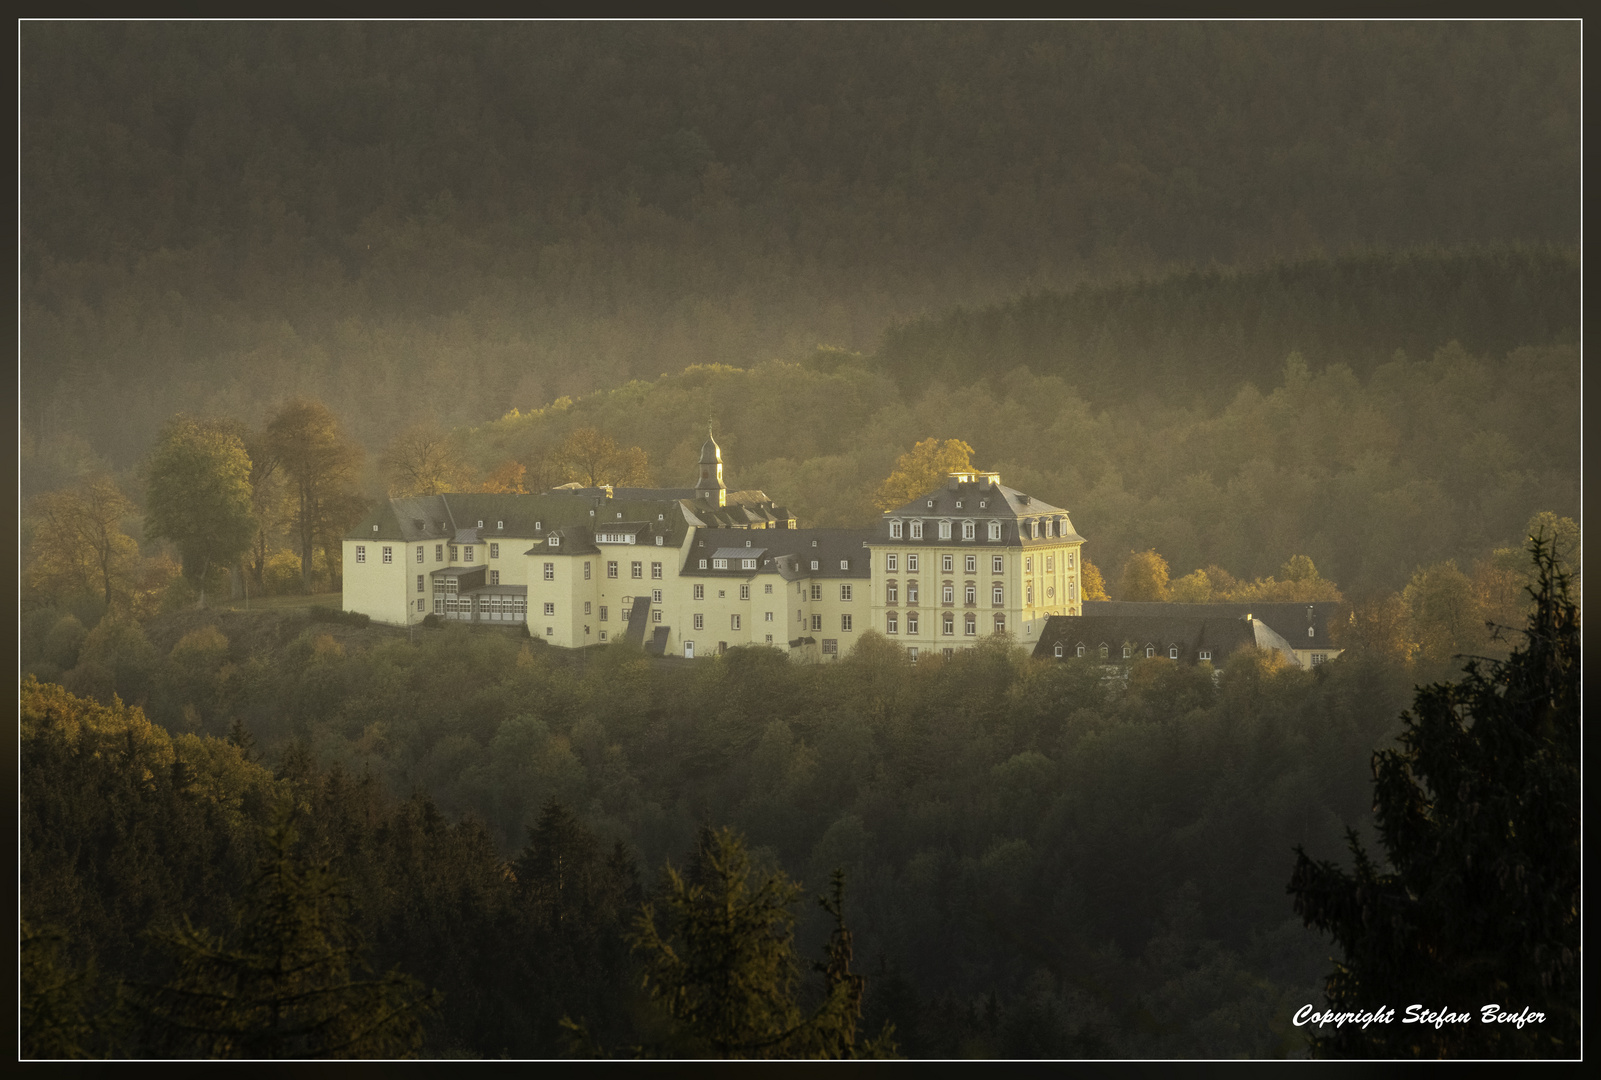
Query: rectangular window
x=1000, y=624
x=494, y=577
x=817, y=622
x=1050, y=564
x=550, y=608
x=522, y=607
x=911, y=653
x=891, y=623
x=655, y=596
x=586, y=569
x=1028, y=564
x=997, y=564
x=420, y=583
x=968, y=530
x=733, y=622
x=911, y=564
x=917, y=530
x=997, y=596
x=700, y=592
x=656, y=615
x=550, y=571
x=467, y=554
x=948, y=624
x=587, y=609
x=744, y=592
x=611, y=568
x=747, y=564
x=970, y=594
x=439, y=604
x=636, y=571
x=439, y=553
x=947, y=563
x=454, y=552
x=494, y=551
x=817, y=592
x=361, y=552
x=911, y=592
x=719, y=564
x=890, y=562
x=703, y=564
x=970, y=625
x=1028, y=593
x=419, y=553
x=894, y=533
x=767, y=616
x=845, y=623
x=944, y=530
x=769, y=639
x=947, y=594
x=603, y=635
x=655, y=571
x=971, y=564
x=830, y=646
x=911, y=622
x=1207, y=655
x=604, y=613
x=844, y=592
x=768, y=588
x=995, y=530
x=892, y=593
x=1317, y=658
x=700, y=622
x=421, y=605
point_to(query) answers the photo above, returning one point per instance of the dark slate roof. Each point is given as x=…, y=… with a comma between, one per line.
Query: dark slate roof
x=1007, y=504
x=1219, y=635
x=1291, y=620
x=787, y=552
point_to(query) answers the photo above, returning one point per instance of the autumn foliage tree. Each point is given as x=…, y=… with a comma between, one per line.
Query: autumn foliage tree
x=1144, y=577
x=198, y=495
x=1477, y=900
x=595, y=459
x=321, y=464
x=422, y=461
x=79, y=546
x=922, y=469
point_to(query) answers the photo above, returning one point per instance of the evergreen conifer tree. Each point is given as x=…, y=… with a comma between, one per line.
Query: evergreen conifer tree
x=291, y=985
x=1478, y=812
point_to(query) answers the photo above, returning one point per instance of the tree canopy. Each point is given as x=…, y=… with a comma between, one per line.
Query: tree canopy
x=198, y=494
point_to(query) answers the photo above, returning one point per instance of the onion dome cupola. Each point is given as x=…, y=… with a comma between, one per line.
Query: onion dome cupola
x=710, y=486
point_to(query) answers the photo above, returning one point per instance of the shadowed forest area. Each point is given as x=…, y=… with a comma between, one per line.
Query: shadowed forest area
x=1276, y=311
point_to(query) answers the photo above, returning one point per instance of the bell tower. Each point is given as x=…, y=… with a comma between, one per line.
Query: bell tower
x=710, y=487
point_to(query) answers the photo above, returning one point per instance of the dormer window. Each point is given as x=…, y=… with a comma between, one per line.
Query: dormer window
x=969, y=530
x=917, y=530
x=480, y=523
x=1172, y=652
x=983, y=504
x=814, y=543
x=500, y=524
x=931, y=504
x=844, y=564
x=814, y=567
x=555, y=541
x=1058, y=650
x=944, y=530
x=894, y=530
x=619, y=515
x=995, y=530
x=958, y=504
x=538, y=527
x=747, y=543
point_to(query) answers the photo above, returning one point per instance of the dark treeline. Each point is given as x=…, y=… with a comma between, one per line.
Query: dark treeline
x=1038, y=862
x=1199, y=336
x=214, y=215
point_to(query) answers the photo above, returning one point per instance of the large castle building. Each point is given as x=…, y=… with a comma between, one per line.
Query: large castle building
x=693, y=571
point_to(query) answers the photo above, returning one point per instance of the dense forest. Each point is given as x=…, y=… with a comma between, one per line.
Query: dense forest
x=1274, y=310
x=465, y=218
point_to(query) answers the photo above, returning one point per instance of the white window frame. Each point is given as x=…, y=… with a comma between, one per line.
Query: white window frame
x=389, y=554
x=995, y=530
x=917, y=528
x=894, y=531
x=997, y=564
x=550, y=571
x=361, y=553
x=845, y=624
x=892, y=563
x=892, y=623
x=494, y=551
x=944, y=530
x=845, y=593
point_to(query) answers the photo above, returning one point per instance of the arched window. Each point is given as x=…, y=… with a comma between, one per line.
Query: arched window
x=1058, y=650
x=1150, y=650
x=1172, y=652
x=1080, y=649
x=995, y=530
x=969, y=530
x=944, y=530
x=917, y=530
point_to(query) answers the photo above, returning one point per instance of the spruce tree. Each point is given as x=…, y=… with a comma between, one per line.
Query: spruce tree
x=291, y=985
x=1478, y=905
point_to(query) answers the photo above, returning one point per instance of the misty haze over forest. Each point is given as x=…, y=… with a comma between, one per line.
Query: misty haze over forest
x=1235, y=294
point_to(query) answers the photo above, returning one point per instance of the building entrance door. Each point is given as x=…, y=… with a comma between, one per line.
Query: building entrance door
x=689, y=650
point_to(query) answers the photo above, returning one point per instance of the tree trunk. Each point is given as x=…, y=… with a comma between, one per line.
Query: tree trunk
x=236, y=581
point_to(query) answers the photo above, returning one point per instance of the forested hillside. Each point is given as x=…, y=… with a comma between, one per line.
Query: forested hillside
x=476, y=217
x=1103, y=864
